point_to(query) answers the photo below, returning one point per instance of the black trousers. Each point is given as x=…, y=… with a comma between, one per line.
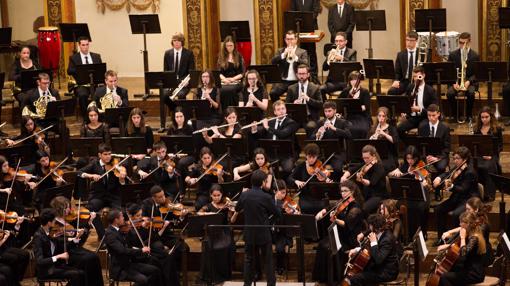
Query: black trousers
x=451, y=94
x=76, y=277
x=409, y=123
x=96, y=203
x=87, y=261
x=250, y=251
x=401, y=89
x=312, y=54
x=279, y=89
x=83, y=93
x=143, y=274
x=7, y=276
x=449, y=208
x=329, y=87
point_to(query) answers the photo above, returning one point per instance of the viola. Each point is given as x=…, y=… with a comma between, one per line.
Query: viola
x=342, y=206
x=290, y=206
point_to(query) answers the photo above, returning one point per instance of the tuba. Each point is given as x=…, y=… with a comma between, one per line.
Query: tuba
x=41, y=104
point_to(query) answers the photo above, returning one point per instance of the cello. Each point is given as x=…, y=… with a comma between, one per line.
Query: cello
x=445, y=261
x=358, y=262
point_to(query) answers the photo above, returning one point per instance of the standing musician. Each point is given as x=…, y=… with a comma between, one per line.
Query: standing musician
x=260, y=162
x=435, y=128
x=385, y=130
x=308, y=93
x=361, y=120
x=415, y=167
x=95, y=128
x=81, y=258
x=422, y=96
x=209, y=173
x=338, y=54
x=181, y=61
x=333, y=126
x=125, y=263
x=383, y=256
x=288, y=59
x=111, y=95
x=258, y=206
x=51, y=255
x=463, y=59
x=405, y=62
x=341, y=19
x=301, y=176
x=162, y=167
x=468, y=268
x=83, y=57
x=254, y=93
x=231, y=66
x=207, y=90
x=281, y=128
x=462, y=182
x=36, y=100
x=372, y=178
x=104, y=188
x=348, y=215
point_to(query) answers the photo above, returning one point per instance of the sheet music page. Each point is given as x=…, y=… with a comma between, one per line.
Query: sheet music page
x=337, y=238
x=507, y=241
x=423, y=245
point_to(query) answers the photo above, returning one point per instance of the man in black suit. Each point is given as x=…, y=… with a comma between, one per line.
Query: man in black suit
x=341, y=19
x=308, y=93
x=105, y=190
x=422, y=96
x=181, y=61
x=258, y=206
x=83, y=57
x=435, y=128
x=33, y=95
x=125, y=261
x=333, y=127
x=404, y=64
x=288, y=59
x=341, y=54
x=120, y=94
x=457, y=57
x=315, y=7
x=50, y=256
x=383, y=263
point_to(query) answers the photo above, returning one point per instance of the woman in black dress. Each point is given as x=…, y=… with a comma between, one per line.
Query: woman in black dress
x=6, y=191
x=207, y=90
x=180, y=125
x=385, y=130
x=136, y=128
x=231, y=66
x=28, y=128
x=361, y=120
x=260, y=161
x=95, y=128
x=254, y=93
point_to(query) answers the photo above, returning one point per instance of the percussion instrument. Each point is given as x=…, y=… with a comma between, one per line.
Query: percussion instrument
x=49, y=43
x=446, y=42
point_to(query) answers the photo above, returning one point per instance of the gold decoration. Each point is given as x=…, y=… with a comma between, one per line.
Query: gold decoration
x=492, y=42
x=413, y=5
x=194, y=30
x=265, y=19
x=116, y=5
x=357, y=4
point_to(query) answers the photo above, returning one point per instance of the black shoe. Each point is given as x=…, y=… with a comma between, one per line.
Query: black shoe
x=437, y=243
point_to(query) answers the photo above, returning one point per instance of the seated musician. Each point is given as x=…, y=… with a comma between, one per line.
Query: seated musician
x=404, y=63
x=105, y=190
x=281, y=128
x=308, y=93
x=339, y=53
x=372, y=178
x=136, y=127
x=22, y=63
x=415, y=167
x=281, y=239
x=253, y=93
x=7, y=275
x=486, y=124
x=30, y=135
x=159, y=252
x=78, y=256
x=288, y=59
x=208, y=90
x=50, y=255
x=232, y=130
x=435, y=128
x=390, y=210
x=8, y=188
x=333, y=126
x=385, y=130
x=166, y=175
x=36, y=101
x=83, y=57
x=94, y=127
x=119, y=95
x=468, y=268
x=123, y=263
x=231, y=66
x=462, y=182
x=204, y=180
x=383, y=263
x=350, y=219
x=179, y=125
x=361, y=120
x=260, y=161
x=422, y=96
x=220, y=247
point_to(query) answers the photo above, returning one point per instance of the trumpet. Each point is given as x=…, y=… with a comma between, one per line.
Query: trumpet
x=332, y=55
x=291, y=54
x=422, y=52
x=461, y=75
x=182, y=85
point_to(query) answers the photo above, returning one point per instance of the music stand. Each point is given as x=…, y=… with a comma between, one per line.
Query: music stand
x=239, y=30
x=145, y=24
x=268, y=73
x=301, y=22
x=480, y=145
x=397, y=104
x=176, y=143
x=379, y=69
x=232, y=189
x=328, y=146
x=297, y=112
x=195, y=79
x=440, y=73
x=232, y=146
x=85, y=146
x=29, y=78
x=71, y=32
x=427, y=145
x=430, y=20
x=5, y=37
x=491, y=72
x=334, y=239
x=51, y=193
x=322, y=190
x=195, y=109
x=118, y=117
x=348, y=105
x=277, y=148
x=355, y=146
x=503, y=185
x=60, y=108
x=92, y=74
x=247, y=115
x=197, y=224
x=23, y=151
x=340, y=71
x=134, y=193
x=129, y=145
x=370, y=20
x=504, y=242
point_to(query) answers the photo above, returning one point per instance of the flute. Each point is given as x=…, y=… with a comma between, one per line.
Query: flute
x=210, y=128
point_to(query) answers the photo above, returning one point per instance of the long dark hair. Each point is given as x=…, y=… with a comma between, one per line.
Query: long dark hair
x=131, y=126
x=223, y=58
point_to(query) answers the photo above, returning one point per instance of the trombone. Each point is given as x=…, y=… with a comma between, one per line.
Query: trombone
x=461, y=79
x=422, y=51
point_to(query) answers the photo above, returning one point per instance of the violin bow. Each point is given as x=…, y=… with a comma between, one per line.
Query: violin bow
x=158, y=167
x=248, y=174
x=114, y=166
x=136, y=230
x=211, y=167
x=9, y=194
x=51, y=172
x=217, y=212
x=316, y=172
x=32, y=135
x=151, y=222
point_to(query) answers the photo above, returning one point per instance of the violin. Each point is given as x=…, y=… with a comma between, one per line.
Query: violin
x=290, y=206
x=9, y=217
x=20, y=176
x=177, y=208
x=342, y=206
x=419, y=170
x=56, y=173
x=73, y=215
x=322, y=172
x=448, y=181
x=60, y=230
x=116, y=167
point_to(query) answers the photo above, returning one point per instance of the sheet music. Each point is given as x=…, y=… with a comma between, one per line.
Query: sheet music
x=338, y=244
x=505, y=239
x=423, y=246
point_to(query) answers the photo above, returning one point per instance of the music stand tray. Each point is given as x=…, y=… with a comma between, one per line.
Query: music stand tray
x=232, y=146
x=247, y=115
x=491, y=71
x=440, y=73
x=370, y=20
x=379, y=68
x=301, y=22
x=64, y=107
x=194, y=109
x=322, y=190
x=504, y=17
x=307, y=223
x=51, y=193
x=29, y=78
x=433, y=20
x=277, y=148
x=5, y=36
x=90, y=73
x=129, y=145
x=339, y=72
x=117, y=117
x=397, y=104
x=348, y=105
x=328, y=146
x=195, y=79
x=408, y=189
x=268, y=73
x=134, y=193
x=239, y=30
x=158, y=80
x=231, y=189
x=197, y=224
x=297, y=112
x=427, y=145
x=72, y=31
x=23, y=151
x=85, y=146
x=144, y=24
x=176, y=143
x=480, y=145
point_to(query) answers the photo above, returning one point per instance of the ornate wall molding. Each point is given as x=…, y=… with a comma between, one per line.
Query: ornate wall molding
x=116, y=5
x=358, y=4
x=193, y=15
x=492, y=45
x=266, y=27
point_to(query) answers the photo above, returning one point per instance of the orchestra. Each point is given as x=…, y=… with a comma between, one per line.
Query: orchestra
x=325, y=153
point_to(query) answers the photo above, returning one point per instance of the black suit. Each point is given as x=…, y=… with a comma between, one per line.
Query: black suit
x=443, y=133
x=122, y=92
x=402, y=71
x=82, y=92
x=170, y=184
x=331, y=85
x=258, y=206
x=31, y=97
x=46, y=268
x=413, y=121
x=283, y=65
x=313, y=105
x=455, y=57
x=123, y=265
x=345, y=23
